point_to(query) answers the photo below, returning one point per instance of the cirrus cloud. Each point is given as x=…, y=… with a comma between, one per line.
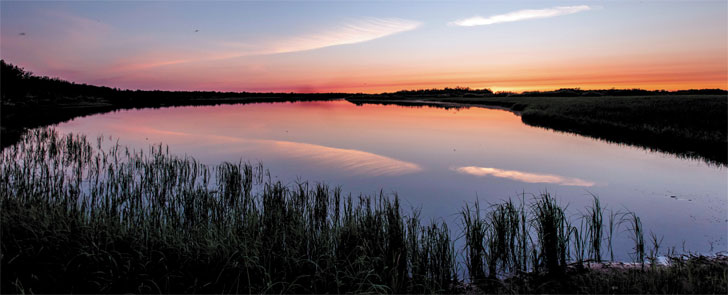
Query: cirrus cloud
x=520, y=15
x=351, y=33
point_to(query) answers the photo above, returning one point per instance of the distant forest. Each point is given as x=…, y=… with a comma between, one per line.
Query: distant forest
x=19, y=86
x=563, y=92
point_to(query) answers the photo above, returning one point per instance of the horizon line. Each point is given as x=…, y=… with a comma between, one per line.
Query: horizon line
x=457, y=87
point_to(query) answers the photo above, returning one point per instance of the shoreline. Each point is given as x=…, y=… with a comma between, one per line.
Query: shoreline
x=544, y=112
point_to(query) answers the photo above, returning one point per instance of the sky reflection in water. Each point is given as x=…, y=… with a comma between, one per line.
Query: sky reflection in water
x=351, y=161
x=437, y=159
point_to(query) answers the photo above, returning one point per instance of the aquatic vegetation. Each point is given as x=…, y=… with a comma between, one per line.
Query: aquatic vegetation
x=106, y=219
x=88, y=217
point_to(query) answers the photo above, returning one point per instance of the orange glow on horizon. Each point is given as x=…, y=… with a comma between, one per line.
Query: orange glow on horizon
x=668, y=83
x=707, y=71
x=663, y=72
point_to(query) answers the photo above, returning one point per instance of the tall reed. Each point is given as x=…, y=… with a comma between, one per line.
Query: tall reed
x=553, y=230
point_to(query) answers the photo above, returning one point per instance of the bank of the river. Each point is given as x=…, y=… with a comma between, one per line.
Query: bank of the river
x=686, y=125
x=687, y=274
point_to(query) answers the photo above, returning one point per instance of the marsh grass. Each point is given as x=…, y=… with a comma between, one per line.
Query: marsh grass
x=79, y=218
x=518, y=237
x=545, y=252
x=82, y=217
x=682, y=274
x=638, y=237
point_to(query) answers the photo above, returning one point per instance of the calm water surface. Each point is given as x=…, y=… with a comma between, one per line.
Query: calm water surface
x=438, y=159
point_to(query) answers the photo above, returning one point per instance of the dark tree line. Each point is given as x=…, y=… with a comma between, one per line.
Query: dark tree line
x=563, y=92
x=567, y=92
x=19, y=86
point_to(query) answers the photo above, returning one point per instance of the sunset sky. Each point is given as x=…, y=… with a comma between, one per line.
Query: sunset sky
x=338, y=46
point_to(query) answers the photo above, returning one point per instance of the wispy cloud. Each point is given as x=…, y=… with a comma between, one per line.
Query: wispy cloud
x=520, y=15
x=351, y=33
x=76, y=26
x=524, y=176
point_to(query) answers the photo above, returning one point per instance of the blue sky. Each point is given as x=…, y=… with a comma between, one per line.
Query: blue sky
x=370, y=46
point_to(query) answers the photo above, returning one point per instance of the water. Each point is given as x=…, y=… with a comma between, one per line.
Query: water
x=437, y=159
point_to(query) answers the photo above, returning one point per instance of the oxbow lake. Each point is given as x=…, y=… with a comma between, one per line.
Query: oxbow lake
x=437, y=159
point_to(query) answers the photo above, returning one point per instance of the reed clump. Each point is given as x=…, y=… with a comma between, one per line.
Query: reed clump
x=533, y=246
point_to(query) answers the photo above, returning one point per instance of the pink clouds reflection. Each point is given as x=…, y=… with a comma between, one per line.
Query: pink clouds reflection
x=358, y=162
x=524, y=176
x=350, y=161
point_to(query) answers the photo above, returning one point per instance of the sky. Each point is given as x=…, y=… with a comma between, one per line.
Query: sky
x=370, y=47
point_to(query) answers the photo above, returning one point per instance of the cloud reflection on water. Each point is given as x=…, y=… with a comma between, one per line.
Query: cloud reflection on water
x=524, y=176
x=356, y=161
x=349, y=160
